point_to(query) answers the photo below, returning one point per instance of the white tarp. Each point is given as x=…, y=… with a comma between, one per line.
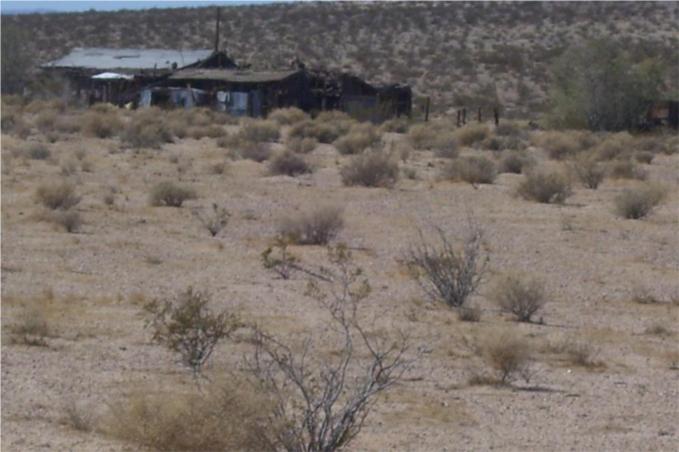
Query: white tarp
x=112, y=76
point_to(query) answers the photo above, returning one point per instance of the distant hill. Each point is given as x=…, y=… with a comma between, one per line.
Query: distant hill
x=457, y=53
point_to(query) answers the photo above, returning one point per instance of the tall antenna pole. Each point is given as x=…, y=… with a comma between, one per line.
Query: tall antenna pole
x=217, y=32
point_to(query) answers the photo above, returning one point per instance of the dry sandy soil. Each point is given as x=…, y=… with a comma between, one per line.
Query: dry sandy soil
x=594, y=264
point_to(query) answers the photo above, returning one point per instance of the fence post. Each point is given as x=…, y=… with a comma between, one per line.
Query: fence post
x=464, y=116
x=479, y=114
x=459, y=118
x=426, y=110
x=496, y=113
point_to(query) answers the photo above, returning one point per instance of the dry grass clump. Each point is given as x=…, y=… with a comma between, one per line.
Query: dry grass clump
x=469, y=313
x=314, y=227
x=170, y=194
x=230, y=415
x=147, y=129
x=37, y=151
x=57, y=195
x=68, y=124
x=396, y=125
x=472, y=133
x=359, y=138
x=69, y=220
x=515, y=162
x=326, y=128
x=520, y=296
x=576, y=353
x=102, y=124
x=434, y=136
x=472, y=169
x=508, y=355
x=259, y=130
x=45, y=121
x=636, y=203
x=545, y=186
x=509, y=129
x=590, y=172
x=210, y=131
x=371, y=169
x=301, y=145
x=645, y=157
x=615, y=146
x=258, y=152
x=289, y=163
x=287, y=116
x=561, y=145
x=30, y=319
x=626, y=169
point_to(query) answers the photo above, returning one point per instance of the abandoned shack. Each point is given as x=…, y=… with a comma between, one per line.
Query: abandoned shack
x=117, y=75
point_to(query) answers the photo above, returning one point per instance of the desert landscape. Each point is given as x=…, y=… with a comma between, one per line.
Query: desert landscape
x=462, y=287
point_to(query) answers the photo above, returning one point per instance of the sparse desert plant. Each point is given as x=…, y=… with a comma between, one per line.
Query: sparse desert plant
x=472, y=169
x=58, y=195
x=560, y=145
x=289, y=163
x=508, y=355
x=626, y=169
x=214, y=220
x=515, y=162
x=472, y=133
x=636, y=203
x=69, y=220
x=188, y=327
x=147, y=129
x=445, y=146
x=359, y=138
x=396, y=125
x=38, y=151
x=301, y=145
x=170, y=194
x=315, y=227
x=76, y=418
x=445, y=272
x=258, y=152
x=469, y=313
x=102, y=124
x=225, y=415
x=615, y=146
x=45, y=120
x=520, y=296
x=287, y=116
x=210, y=131
x=260, y=131
x=545, y=186
x=322, y=400
x=278, y=259
x=645, y=157
x=370, y=169
x=590, y=172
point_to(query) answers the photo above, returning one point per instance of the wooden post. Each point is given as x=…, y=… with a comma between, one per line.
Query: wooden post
x=459, y=118
x=464, y=116
x=479, y=114
x=426, y=110
x=496, y=113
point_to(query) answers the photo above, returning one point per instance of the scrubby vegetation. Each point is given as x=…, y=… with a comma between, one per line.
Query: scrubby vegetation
x=545, y=186
x=170, y=194
x=315, y=227
x=371, y=169
x=636, y=203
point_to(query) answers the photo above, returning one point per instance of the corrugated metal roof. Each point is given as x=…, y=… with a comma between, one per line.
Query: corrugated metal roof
x=105, y=58
x=227, y=75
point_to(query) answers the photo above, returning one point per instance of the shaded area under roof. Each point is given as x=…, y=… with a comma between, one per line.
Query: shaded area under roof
x=232, y=75
x=136, y=59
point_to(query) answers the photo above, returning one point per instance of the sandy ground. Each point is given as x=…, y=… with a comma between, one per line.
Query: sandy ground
x=592, y=262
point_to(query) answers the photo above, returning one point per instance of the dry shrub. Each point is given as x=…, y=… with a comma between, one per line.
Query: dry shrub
x=545, y=186
x=626, y=169
x=147, y=129
x=333, y=116
x=358, y=139
x=509, y=129
x=68, y=124
x=644, y=157
x=324, y=131
x=472, y=169
x=46, y=121
x=469, y=313
x=210, y=131
x=508, y=355
x=38, y=151
x=301, y=145
x=434, y=136
x=69, y=220
x=102, y=124
x=579, y=354
x=57, y=195
x=615, y=146
x=520, y=296
x=636, y=203
x=170, y=194
x=314, y=227
x=289, y=163
x=590, y=172
x=34, y=319
x=188, y=327
x=515, y=162
x=213, y=220
x=258, y=152
x=652, y=143
x=259, y=130
x=472, y=133
x=396, y=125
x=560, y=145
x=287, y=116
x=371, y=169
x=230, y=415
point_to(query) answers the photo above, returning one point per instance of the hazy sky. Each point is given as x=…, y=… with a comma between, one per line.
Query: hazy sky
x=65, y=6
